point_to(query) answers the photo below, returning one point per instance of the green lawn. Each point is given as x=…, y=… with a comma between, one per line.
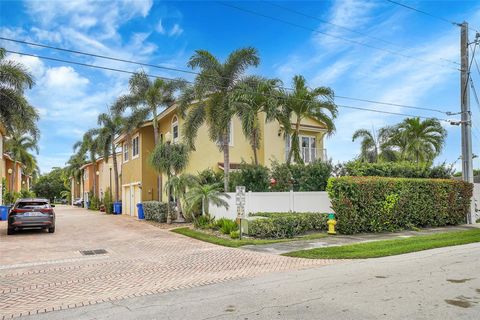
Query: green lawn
x=235, y=243
x=390, y=247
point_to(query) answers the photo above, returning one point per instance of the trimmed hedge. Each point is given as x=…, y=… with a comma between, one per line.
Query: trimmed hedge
x=156, y=211
x=286, y=225
x=397, y=169
x=377, y=204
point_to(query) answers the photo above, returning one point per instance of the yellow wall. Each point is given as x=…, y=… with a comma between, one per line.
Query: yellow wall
x=104, y=179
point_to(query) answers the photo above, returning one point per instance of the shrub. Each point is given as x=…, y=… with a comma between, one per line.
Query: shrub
x=94, y=202
x=107, y=201
x=204, y=222
x=255, y=178
x=156, y=210
x=376, y=204
x=301, y=177
x=226, y=226
x=286, y=225
x=24, y=193
x=10, y=197
x=208, y=176
x=397, y=169
x=235, y=234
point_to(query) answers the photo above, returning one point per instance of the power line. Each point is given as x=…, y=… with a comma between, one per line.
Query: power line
x=331, y=35
x=346, y=28
x=197, y=73
x=423, y=12
x=171, y=79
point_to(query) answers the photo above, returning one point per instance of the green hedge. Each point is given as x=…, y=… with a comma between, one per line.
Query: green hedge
x=377, y=204
x=156, y=211
x=301, y=177
x=397, y=169
x=286, y=225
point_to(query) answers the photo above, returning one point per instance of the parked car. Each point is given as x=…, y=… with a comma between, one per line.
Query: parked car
x=78, y=202
x=31, y=213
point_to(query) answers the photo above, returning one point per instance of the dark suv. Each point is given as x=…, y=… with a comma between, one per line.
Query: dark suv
x=31, y=213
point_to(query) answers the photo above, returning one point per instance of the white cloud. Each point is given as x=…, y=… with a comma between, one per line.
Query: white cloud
x=33, y=64
x=159, y=27
x=176, y=30
x=64, y=79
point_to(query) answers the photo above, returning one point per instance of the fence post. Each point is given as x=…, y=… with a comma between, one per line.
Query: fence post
x=291, y=201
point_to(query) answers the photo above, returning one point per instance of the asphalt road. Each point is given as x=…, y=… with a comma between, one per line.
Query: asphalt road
x=436, y=284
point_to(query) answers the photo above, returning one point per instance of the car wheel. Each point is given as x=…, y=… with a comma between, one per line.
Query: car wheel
x=51, y=230
x=10, y=231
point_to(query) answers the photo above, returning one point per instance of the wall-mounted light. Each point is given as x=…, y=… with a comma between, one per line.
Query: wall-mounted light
x=97, y=173
x=10, y=171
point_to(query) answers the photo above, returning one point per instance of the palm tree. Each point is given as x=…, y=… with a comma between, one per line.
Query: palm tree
x=18, y=145
x=205, y=194
x=369, y=146
x=178, y=186
x=147, y=98
x=111, y=126
x=14, y=79
x=169, y=159
x=251, y=97
x=303, y=102
x=212, y=92
x=423, y=139
x=90, y=144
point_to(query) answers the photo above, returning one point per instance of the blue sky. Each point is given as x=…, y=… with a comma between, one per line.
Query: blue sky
x=70, y=97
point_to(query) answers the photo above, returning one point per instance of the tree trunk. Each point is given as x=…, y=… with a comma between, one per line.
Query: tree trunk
x=169, y=212
x=226, y=160
x=254, y=146
x=115, y=172
x=295, y=144
x=94, y=177
x=155, y=136
x=203, y=206
x=14, y=176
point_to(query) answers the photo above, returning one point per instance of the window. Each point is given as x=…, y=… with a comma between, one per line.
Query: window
x=125, y=152
x=135, y=147
x=175, y=129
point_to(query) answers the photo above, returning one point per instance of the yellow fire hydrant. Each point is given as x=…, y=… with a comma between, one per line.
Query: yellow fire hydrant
x=331, y=223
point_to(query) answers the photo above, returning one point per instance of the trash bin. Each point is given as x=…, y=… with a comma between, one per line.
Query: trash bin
x=141, y=215
x=88, y=205
x=4, y=212
x=117, y=207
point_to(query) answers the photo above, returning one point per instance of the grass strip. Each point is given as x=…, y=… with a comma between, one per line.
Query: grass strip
x=385, y=248
x=235, y=243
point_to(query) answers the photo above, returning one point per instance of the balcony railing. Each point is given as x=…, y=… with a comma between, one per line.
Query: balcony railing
x=310, y=154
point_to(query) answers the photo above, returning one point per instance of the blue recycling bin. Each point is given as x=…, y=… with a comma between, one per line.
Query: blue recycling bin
x=117, y=207
x=4, y=212
x=141, y=215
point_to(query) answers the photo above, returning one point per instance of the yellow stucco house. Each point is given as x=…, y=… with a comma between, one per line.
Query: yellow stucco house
x=139, y=180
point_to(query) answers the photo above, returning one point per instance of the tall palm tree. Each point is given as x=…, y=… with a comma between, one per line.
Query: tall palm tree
x=169, y=159
x=18, y=145
x=14, y=79
x=304, y=102
x=251, y=97
x=423, y=139
x=376, y=145
x=206, y=194
x=212, y=92
x=90, y=144
x=147, y=98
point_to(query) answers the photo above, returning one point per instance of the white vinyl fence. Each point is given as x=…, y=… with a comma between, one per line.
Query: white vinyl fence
x=476, y=196
x=275, y=202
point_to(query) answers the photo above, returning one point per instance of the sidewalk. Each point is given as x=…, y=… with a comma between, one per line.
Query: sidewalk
x=337, y=240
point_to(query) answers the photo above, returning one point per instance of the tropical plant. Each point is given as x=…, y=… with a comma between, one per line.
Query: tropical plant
x=50, y=185
x=147, y=98
x=209, y=99
x=66, y=194
x=375, y=145
x=178, y=185
x=90, y=144
x=169, y=159
x=302, y=102
x=111, y=126
x=14, y=108
x=422, y=139
x=252, y=96
x=18, y=145
x=204, y=195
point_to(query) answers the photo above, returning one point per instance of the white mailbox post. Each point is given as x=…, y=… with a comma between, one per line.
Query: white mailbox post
x=240, y=202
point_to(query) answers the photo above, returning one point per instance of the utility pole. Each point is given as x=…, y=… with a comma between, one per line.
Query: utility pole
x=467, y=161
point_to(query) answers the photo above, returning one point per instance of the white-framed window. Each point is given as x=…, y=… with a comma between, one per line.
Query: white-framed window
x=175, y=133
x=135, y=146
x=125, y=152
x=308, y=148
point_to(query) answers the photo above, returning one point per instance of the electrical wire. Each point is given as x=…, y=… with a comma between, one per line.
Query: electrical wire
x=331, y=35
x=171, y=79
x=197, y=73
x=346, y=28
x=423, y=12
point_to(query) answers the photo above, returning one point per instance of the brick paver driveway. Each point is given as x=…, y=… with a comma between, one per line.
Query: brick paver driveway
x=41, y=272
